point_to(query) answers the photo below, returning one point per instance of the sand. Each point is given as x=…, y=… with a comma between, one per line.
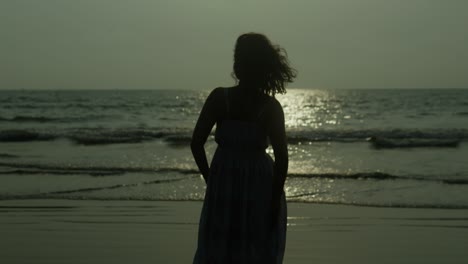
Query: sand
x=71, y=231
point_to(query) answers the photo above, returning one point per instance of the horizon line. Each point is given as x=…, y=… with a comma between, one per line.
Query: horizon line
x=185, y=89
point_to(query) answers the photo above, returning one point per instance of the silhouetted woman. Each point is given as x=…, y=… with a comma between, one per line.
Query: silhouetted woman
x=243, y=219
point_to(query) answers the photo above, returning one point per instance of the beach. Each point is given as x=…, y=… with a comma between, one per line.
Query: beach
x=75, y=231
x=118, y=119
x=121, y=186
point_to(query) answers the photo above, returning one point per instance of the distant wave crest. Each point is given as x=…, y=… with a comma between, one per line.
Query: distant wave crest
x=380, y=138
x=46, y=119
x=413, y=142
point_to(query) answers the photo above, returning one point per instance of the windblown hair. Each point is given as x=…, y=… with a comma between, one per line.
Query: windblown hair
x=257, y=61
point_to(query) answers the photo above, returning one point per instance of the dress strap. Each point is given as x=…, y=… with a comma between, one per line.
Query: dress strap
x=263, y=108
x=226, y=97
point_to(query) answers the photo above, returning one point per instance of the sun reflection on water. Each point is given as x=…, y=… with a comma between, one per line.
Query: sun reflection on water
x=312, y=108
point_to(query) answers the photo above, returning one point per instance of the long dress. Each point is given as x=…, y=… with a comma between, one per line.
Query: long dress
x=236, y=223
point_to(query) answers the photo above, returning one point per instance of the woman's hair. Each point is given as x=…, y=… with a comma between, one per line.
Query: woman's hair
x=257, y=61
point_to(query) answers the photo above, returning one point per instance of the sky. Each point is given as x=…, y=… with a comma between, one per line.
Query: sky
x=174, y=44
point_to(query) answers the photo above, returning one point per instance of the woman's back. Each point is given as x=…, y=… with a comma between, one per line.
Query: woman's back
x=241, y=103
x=244, y=122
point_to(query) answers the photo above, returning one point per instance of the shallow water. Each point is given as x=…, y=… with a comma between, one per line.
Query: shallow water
x=134, y=145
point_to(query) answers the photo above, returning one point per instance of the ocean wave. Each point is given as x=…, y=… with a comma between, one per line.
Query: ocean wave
x=295, y=136
x=377, y=176
x=7, y=155
x=20, y=135
x=384, y=205
x=84, y=136
x=45, y=119
x=381, y=143
x=186, y=185
x=79, y=194
x=31, y=168
x=40, y=119
x=114, y=136
x=91, y=189
x=182, y=136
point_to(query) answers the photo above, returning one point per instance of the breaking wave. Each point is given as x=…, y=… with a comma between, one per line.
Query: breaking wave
x=31, y=168
x=413, y=143
x=391, y=138
x=44, y=119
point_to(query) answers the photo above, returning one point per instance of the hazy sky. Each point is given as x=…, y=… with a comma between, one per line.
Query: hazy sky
x=170, y=44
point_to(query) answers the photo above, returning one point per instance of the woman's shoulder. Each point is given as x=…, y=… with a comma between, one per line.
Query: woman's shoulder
x=216, y=93
x=217, y=97
x=220, y=91
x=273, y=107
x=272, y=102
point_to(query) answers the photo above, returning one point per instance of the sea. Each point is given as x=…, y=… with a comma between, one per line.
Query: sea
x=365, y=147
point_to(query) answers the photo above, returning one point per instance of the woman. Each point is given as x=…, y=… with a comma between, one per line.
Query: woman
x=243, y=219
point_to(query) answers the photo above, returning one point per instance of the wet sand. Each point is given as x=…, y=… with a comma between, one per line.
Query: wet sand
x=73, y=231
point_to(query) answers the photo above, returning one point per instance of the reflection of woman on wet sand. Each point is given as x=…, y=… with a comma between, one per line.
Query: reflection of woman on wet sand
x=243, y=219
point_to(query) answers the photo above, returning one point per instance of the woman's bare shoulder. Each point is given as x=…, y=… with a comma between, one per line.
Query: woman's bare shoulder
x=273, y=104
x=216, y=93
x=220, y=91
x=216, y=99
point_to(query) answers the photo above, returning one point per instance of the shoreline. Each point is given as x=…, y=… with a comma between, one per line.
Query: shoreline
x=90, y=231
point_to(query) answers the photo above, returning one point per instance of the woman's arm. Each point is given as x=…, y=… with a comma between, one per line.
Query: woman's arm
x=277, y=134
x=202, y=130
